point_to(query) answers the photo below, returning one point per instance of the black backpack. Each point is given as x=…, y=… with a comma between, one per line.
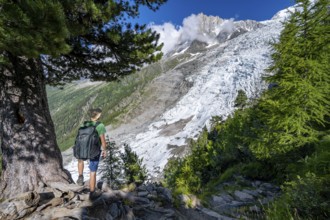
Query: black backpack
x=87, y=144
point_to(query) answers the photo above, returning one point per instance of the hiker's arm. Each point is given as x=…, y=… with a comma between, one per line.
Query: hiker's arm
x=103, y=145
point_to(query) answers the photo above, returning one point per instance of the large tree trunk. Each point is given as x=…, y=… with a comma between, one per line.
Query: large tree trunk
x=30, y=155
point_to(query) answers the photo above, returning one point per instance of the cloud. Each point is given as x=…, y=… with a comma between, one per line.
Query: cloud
x=169, y=35
x=192, y=29
x=227, y=26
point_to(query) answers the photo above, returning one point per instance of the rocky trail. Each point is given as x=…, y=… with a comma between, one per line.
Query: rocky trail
x=149, y=201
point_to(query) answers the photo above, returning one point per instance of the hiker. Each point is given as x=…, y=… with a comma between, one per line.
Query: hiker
x=95, y=114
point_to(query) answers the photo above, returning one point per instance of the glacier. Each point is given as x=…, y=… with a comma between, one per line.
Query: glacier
x=239, y=64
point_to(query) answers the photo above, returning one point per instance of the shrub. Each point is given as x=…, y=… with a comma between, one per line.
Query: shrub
x=122, y=168
x=134, y=170
x=306, y=197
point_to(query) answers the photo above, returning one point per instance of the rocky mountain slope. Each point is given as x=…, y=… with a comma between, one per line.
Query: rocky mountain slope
x=200, y=79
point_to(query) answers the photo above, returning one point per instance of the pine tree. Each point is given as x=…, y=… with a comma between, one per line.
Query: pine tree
x=134, y=170
x=292, y=112
x=113, y=166
x=54, y=42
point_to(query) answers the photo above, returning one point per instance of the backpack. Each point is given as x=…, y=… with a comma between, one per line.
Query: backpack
x=87, y=144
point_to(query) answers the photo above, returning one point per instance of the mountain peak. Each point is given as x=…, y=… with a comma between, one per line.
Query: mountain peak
x=209, y=24
x=202, y=28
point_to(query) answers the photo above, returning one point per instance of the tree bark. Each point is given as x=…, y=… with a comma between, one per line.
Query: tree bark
x=30, y=154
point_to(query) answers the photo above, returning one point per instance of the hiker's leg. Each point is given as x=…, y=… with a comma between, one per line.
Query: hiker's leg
x=80, y=180
x=92, y=181
x=93, y=165
x=93, y=193
x=80, y=167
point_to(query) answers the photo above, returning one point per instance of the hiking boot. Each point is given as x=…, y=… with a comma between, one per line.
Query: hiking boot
x=80, y=180
x=94, y=195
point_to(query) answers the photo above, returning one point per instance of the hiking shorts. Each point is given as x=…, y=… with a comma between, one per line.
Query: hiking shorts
x=94, y=163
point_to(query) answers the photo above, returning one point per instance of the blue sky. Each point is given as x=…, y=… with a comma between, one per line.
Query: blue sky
x=174, y=11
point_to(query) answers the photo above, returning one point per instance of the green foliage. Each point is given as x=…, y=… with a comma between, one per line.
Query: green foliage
x=241, y=99
x=134, y=170
x=78, y=39
x=229, y=173
x=259, y=170
x=229, y=140
x=32, y=28
x=113, y=166
x=319, y=163
x=188, y=175
x=304, y=198
x=172, y=171
x=188, y=180
x=310, y=158
x=211, y=155
x=306, y=195
x=293, y=112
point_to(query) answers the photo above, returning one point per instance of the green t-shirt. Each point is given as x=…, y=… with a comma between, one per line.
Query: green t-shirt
x=100, y=128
